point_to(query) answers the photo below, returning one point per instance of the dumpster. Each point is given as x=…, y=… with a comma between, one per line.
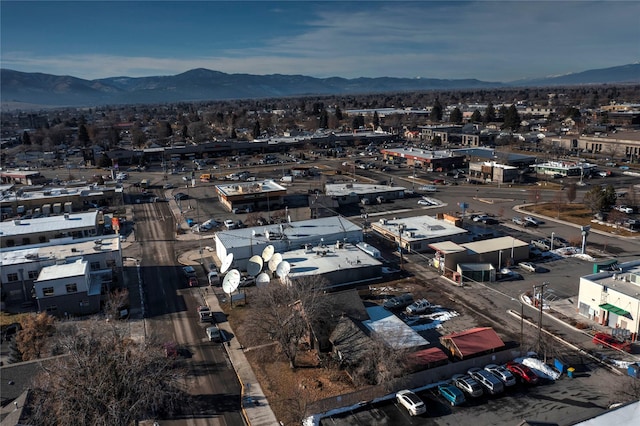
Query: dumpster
x=634, y=370
x=570, y=372
x=560, y=366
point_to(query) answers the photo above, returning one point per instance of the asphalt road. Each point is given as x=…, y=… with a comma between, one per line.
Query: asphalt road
x=170, y=312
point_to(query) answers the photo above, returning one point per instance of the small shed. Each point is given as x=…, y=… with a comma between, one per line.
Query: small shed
x=473, y=342
x=427, y=358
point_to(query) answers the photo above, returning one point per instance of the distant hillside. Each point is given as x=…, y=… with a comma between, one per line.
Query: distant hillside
x=621, y=74
x=20, y=88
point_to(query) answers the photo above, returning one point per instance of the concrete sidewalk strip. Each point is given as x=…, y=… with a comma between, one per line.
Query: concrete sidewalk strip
x=255, y=406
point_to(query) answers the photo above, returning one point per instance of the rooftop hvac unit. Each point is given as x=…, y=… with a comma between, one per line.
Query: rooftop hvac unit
x=16, y=222
x=383, y=221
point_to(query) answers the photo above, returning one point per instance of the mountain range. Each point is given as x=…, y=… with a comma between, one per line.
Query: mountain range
x=22, y=89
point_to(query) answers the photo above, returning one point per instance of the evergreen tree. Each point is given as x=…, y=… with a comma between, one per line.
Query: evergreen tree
x=489, y=114
x=233, y=134
x=324, y=119
x=26, y=139
x=256, y=130
x=185, y=131
x=476, y=117
x=436, y=111
x=511, y=119
x=376, y=120
x=338, y=113
x=456, y=116
x=83, y=135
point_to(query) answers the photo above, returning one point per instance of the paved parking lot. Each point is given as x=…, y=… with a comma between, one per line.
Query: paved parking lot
x=565, y=401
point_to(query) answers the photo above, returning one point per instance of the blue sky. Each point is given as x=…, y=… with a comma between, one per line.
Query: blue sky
x=488, y=40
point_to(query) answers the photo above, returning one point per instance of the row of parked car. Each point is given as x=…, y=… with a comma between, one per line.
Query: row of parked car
x=492, y=380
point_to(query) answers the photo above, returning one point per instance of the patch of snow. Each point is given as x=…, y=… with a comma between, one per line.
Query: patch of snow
x=621, y=364
x=584, y=257
x=540, y=368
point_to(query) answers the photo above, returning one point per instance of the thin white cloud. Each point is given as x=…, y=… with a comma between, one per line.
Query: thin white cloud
x=496, y=41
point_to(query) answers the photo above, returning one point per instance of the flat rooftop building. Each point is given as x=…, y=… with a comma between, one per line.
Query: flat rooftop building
x=612, y=298
x=246, y=242
x=429, y=159
x=349, y=193
x=416, y=233
x=30, y=231
x=265, y=195
x=22, y=266
x=342, y=265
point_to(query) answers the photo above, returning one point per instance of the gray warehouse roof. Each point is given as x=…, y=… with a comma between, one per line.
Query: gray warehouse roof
x=61, y=223
x=313, y=229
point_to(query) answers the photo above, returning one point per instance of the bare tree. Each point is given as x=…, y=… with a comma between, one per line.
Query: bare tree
x=571, y=192
x=287, y=313
x=106, y=379
x=557, y=202
x=116, y=302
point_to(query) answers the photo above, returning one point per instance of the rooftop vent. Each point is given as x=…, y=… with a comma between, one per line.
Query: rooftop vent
x=17, y=222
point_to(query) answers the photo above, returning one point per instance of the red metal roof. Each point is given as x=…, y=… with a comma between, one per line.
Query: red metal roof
x=473, y=341
x=428, y=356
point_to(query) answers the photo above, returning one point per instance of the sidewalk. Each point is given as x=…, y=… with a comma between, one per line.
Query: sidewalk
x=255, y=407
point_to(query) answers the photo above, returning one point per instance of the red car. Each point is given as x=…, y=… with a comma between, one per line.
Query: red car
x=193, y=282
x=522, y=371
x=604, y=339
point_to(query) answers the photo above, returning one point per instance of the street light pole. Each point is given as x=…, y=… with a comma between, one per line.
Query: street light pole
x=553, y=234
x=401, y=227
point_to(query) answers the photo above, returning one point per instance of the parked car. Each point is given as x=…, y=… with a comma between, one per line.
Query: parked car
x=523, y=372
x=214, y=334
x=517, y=220
x=399, y=302
x=624, y=209
x=180, y=196
x=418, y=307
x=528, y=266
x=167, y=186
x=501, y=373
x=542, y=244
x=412, y=402
x=560, y=242
x=189, y=271
x=229, y=224
x=205, y=313
x=533, y=221
x=490, y=221
x=468, y=385
x=491, y=383
x=452, y=394
x=424, y=203
x=480, y=218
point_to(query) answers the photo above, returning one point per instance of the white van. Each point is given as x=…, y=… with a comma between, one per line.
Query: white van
x=429, y=188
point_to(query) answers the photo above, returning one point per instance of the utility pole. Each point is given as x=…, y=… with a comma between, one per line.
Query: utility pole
x=540, y=300
x=401, y=227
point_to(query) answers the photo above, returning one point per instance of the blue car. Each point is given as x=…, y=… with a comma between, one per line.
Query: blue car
x=451, y=394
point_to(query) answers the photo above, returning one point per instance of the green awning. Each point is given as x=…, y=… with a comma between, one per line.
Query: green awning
x=611, y=308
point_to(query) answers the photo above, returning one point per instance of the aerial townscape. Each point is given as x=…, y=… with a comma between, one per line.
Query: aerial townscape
x=287, y=247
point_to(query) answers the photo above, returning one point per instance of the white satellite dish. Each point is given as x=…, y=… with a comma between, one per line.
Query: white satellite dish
x=283, y=269
x=254, y=266
x=275, y=261
x=267, y=253
x=262, y=280
x=226, y=263
x=231, y=281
